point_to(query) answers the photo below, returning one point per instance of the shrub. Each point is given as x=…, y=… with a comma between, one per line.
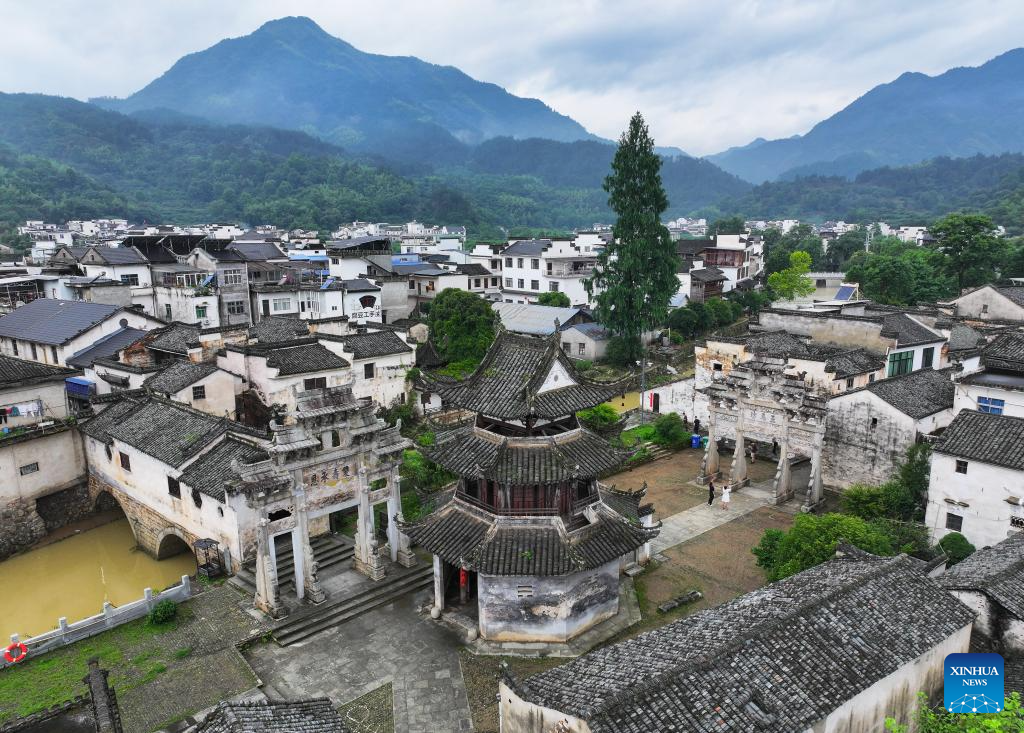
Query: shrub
x=891, y=500
x=163, y=613
x=598, y=418
x=426, y=439
x=669, y=431
x=413, y=374
x=956, y=547
x=583, y=365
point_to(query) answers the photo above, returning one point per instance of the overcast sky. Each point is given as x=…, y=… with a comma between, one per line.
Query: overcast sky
x=707, y=75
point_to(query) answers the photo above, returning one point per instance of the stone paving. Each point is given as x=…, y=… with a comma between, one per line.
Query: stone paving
x=392, y=644
x=688, y=524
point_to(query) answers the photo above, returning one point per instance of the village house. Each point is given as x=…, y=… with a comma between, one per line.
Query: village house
x=976, y=484
x=359, y=299
x=539, y=320
x=380, y=360
x=51, y=331
x=534, y=266
x=766, y=661
x=990, y=303
x=125, y=264
x=528, y=544
x=996, y=385
x=203, y=386
x=869, y=429
x=991, y=582
x=230, y=284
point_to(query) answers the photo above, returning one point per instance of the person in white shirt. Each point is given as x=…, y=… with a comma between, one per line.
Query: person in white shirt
x=726, y=492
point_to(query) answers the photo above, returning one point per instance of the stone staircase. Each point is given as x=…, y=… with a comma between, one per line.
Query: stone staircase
x=329, y=550
x=399, y=582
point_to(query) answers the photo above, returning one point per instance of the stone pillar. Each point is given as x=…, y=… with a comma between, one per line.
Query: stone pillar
x=643, y=553
x=782, y=475
x=366, y=559
x=310, y=580
x=268, y=597
x=814, y=485
x=738, y=477
x=394, y=511
x=712, y=463
x=438, y=607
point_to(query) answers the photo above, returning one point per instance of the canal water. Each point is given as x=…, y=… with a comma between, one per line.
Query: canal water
x=73, y=577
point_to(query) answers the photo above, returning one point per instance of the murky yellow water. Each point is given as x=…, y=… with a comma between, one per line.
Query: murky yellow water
x=630, y=402
x=73, y=578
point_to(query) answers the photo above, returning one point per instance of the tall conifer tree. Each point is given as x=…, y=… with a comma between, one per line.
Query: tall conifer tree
x=636, y=274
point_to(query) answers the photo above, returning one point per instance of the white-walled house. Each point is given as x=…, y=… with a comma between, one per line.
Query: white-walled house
x=695, y=674
x=991, y=303
x=50, y=331
x=203, y=386
x=535, y=266
x=358, y=299
x=380, y=361
x=998, y=386
x=126, y=264
x=976, y=482
x=31, y=393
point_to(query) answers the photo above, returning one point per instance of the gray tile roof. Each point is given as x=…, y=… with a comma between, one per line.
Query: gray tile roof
x=106, y=347
x=708, y=275
x=777, y=660
x=306, y=716
x=979, y=436
x=1016, y=294
x=964, y=338
x=907, y=331
x=1005, y=353
x=996, y=571
x=178, y=376
x=473, y=269
x=375, y=343
x=54, y=321
x=468, y=451
x=121, y=255
x=259, y=251
x=359, y=285
x=275, y=329
x=213, y=469
x=533, y=319
x=527, y=248
x=469, y=536
x=174, y=338
x=14, y=372
x=303, y=359
x=851, y=363
x=381, y=243
x=918, y=394
x=507, y=383
x=167, y=431
x=595, y=331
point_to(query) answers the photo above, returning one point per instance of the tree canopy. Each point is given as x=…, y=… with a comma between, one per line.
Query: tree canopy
x=558, y=300
x=972, y=251
x=462, y=325
x=793, y=281
x=636, y=273
x=936, y=720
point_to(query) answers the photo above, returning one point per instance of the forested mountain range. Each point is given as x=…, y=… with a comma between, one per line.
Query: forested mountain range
x=962, y=112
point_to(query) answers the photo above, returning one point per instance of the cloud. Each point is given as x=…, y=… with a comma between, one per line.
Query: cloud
x=706, y=75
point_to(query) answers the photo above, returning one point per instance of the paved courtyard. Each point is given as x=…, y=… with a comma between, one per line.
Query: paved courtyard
x=391, y=644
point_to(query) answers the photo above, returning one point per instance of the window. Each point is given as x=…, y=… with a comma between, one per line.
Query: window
x=173, y=487
x=550, y=267
x=874, y=423
x=716, y=367
x=167, y=311
x=553, y=287
x=314, y=383
x=984, y=307
x=508, y=282
x=519, y=262
x=130, y=279
x=200, y=311
x=368, y=371
x=494, y=282
x=199, y=392
x=14, y=343
x=412, y=285
x=197, y=498
x=961, y=466
x=534, y=264
x=476, y=282
x=28, y=468
x=954, y=522
x=927, y=357
x=232, y=277
x=495, y=264
x=126, y=462
x=522, y=284
x=33, y=348
x=110, y=454
x=282, y=304
x=820, y=284
x=534, y=285
x=566, y=347
x=902, y=362
x=53, y=353
x=871, y=379
x=1017, y=522
x=235, y=307
x=990, y=405
x=581, y=349
x=524, y=591
x=849, y=382
x=335, y=438
x=508, y=262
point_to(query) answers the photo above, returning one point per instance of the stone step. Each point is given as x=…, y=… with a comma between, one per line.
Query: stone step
x=327, y=551
x=338, y=612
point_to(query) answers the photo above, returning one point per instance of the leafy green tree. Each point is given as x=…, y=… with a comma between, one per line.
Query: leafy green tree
x=670, y=432
x=842, y=249
x=900, y=274
x=913, y=476
x=558, y=300
x=800, y=238
x=598, y=418
x=956, y=547
x=461, y=325
x=636, y=273
x=973, y=253
x=937, y=720
x=812, y=540
x=793, y=281
x=729, y=225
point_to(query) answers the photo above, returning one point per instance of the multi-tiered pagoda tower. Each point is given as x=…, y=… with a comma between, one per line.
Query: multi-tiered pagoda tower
x=528, y=540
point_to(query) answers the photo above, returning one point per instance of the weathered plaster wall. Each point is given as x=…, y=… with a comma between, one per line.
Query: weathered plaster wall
x=847, y=331
x=557, y=609
x=519, y=716
x=978, y=496
x=896, y=695
x=856, y=451
x=999, y=307
x=979, y=603
x=220, y=387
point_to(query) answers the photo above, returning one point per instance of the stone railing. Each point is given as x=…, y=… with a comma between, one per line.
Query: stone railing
x=111, y=617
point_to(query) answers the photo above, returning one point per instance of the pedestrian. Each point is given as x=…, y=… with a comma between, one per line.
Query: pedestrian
x=726, y=491
x=753, y=452
x=775, y=448
x=686, y=422
x=696, y=426
x=711, y=492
